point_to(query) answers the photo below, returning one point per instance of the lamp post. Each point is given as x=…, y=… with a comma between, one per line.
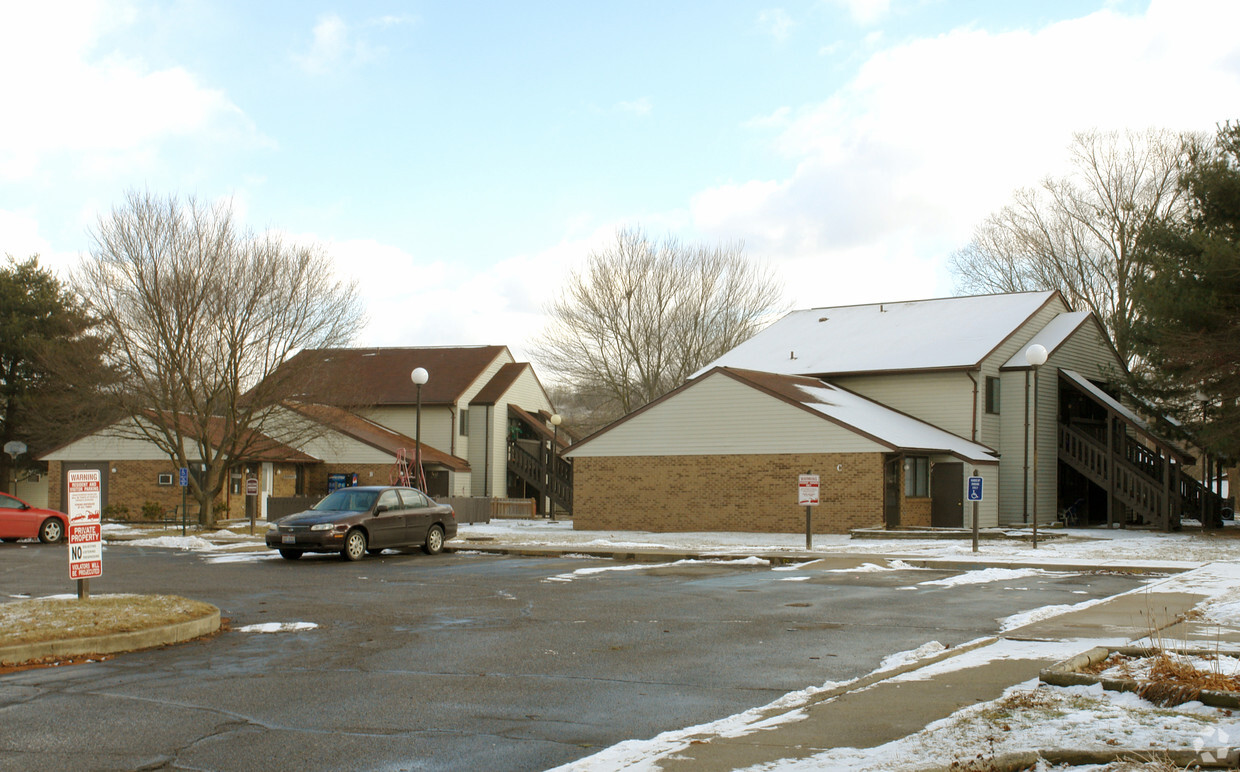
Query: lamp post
x=419, y=376
x=1207, y=509
x=1035, y=355
x=552, y=462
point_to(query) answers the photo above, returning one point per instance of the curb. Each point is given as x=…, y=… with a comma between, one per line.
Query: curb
x=1214, y=758
x=111, y=644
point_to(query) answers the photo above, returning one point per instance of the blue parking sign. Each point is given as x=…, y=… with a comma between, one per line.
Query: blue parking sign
x=975, y=489
x=184, y=476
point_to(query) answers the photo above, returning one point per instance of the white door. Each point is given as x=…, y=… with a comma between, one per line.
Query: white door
x=264, y=490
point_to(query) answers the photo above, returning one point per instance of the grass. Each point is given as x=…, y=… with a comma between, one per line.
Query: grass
x=51, y=619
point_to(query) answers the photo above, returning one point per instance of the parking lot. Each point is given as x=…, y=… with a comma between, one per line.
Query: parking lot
x=467, y=661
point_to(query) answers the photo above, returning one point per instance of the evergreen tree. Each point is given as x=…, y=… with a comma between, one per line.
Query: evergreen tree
x=50, y=364
x=1188, y=301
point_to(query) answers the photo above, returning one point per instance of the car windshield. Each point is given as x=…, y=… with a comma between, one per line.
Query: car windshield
x=345, y=500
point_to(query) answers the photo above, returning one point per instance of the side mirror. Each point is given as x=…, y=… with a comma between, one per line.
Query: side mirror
x=381, y=509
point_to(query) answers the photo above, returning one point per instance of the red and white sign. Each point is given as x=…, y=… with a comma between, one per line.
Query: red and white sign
x=85, y=526
x=807, y=490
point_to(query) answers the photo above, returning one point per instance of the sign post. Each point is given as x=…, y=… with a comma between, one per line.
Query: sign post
x=184, y=488
x=85, y=528
x=807, y=496
x=975, y=495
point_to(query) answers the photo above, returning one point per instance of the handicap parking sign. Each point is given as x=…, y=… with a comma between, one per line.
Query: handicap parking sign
x=975, y=489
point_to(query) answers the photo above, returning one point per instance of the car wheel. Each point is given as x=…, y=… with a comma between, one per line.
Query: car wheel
x=434, y=541
x=51, y=531
x=354, y=545
x=290, y=554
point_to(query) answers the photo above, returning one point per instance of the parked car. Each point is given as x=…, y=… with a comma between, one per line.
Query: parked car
x=19, y=520
x=365, y=519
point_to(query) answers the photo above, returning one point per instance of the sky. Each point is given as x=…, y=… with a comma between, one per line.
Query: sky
x=459, y=159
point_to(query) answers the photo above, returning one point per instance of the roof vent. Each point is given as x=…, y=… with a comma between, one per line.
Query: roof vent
x=881, y=310
x=792, y=355
x=823, y=318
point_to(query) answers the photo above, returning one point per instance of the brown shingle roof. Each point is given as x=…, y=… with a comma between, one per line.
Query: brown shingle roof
x=376, y=436
x=499, y=383
x=383, y=373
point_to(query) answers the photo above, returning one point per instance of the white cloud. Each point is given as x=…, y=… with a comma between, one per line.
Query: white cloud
x=412, y=302
x=865, y=12
x=103, y=109
x=896, y=168
x=335, y=43
x=22, y=239
x=640, y=106
x=775, y=22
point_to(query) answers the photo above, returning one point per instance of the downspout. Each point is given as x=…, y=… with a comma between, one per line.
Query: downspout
x=455, y=429
x=972, y=378
x=486, y=459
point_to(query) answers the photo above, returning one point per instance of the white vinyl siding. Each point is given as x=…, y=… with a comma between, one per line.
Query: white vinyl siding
x=438, y=424
x=1086, y=352
x=944, y=399
x=720, y=416
x=112, y=444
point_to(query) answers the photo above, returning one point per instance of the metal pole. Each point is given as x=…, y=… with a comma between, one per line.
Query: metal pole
x=1035, y=457
x=555, y=457
x=417, y=445
x=809, y=533
x=975, y=519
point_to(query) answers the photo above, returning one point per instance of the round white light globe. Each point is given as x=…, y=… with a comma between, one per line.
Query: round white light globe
x=419, y=375
x=1036, y=355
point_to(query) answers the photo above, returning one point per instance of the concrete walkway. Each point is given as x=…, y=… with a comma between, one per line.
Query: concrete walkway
x=884, y=707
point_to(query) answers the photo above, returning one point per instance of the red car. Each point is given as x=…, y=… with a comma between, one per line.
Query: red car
x=19, y=520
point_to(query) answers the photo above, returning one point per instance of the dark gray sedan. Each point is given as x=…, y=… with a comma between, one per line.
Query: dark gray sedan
x=367, y=519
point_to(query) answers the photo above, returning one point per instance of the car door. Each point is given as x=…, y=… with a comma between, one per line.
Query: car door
x=388, y=523
x=417, y=516
x=16, y=520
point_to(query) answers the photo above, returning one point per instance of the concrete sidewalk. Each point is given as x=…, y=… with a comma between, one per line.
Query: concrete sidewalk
x=887, y=706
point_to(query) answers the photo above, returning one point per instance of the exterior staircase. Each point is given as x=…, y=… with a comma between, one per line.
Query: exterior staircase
x=548, y=473
x=1148, y=485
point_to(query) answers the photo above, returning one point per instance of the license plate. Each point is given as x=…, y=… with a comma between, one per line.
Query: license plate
x=288, y=540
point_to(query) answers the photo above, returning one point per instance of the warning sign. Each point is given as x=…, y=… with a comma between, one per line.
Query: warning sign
x=85, y=526
x=807, y=490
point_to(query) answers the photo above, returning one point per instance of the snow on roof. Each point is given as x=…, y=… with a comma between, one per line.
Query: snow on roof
x=1051, y=336
x=914, y=335
x=891, y=427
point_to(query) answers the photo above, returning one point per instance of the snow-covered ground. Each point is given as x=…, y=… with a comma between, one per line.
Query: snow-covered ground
x=1093, y=546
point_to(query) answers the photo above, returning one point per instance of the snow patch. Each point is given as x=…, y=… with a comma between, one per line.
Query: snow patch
x=277, y=627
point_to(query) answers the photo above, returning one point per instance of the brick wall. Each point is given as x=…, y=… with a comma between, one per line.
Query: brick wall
x=915, y=513
x=726, y=493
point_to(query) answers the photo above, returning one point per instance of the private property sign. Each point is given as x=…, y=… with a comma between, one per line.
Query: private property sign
x=807, y=490
x=85, y=526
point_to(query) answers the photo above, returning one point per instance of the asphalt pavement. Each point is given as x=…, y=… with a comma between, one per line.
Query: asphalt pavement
x=531, y=677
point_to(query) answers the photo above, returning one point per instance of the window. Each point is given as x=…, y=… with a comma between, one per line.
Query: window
x=390, y=500
x=413, y=499
x=464, y=422
x=917, y=477
x=992, y=395
x=165, y=478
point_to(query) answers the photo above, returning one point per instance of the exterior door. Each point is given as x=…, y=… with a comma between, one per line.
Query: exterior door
x=387, y=528
x=891, y=492
x=417, y=516
x=947, y=495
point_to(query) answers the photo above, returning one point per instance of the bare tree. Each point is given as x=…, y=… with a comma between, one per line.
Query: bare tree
x=1078, y=233
x=202, y=315
x=643, y=315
